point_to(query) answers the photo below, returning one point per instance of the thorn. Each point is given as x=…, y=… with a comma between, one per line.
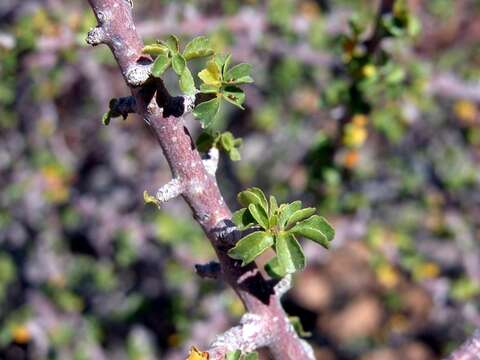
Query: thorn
x=170, y=190
x=96, y=36
x=138, y=74
x=211, y=270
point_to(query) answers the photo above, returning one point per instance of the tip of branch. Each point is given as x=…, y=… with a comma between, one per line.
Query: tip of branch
x=95, y=36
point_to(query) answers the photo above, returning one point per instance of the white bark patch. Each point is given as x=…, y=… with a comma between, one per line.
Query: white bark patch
x=137, y=74
x=170, y=190
x=96, y=36
x=211, y=163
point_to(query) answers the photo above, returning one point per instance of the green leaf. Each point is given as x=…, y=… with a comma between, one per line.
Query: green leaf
x=243, y=218
x=273, y=205
x=186, y=82
x=234, y=155
x=155, y=49
x=161, y=64
x=251, y=356
x=252, y=245
x=300, y=215
x=297, y=325
x=206, y=111
x=315, y=228
x=287, y=210
x=222, y=61
x=198, y=47
x=234, y=95
x=106, y=118
x=253, y=196
x=259, y=215
x=239, y=74
x=172, y=43
x=208, y=89
x=205, y=141
x=274, y=269
x=227, y=141
x=233, y=355
x=289, y=252
x=178, y=64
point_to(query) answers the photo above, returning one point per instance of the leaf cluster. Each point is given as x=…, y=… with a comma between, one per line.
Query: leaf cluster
x=277, y=227
x=223, y=141
x=219, y=81
x=222, y=83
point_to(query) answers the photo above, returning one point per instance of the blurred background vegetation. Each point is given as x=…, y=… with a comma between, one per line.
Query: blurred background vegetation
x=375, y=121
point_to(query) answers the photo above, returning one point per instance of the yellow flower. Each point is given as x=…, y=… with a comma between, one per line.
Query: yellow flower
x=360, y=119
x=427, y=270
x=465, y=110
x=354, y=135
x=21, y=334
x=196, y=354
x=369, y=70
x=387, y=276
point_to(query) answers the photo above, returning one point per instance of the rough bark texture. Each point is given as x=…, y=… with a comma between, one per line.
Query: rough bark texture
x=470, y=350
x=200, y=190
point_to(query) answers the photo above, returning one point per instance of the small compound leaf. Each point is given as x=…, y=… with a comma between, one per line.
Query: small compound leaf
x=155, y=49
x=172, y=43
x=253, y=195
x=211, y=74
x=300, y=215
x=289, y=252
x=259, y=215
x=239, y=74
x=315, y=228
x=161, y=64
x=178, y=64
x=274, y=269
x=251, y=246
x=234, y=95
x=233, y=355
x=206, y=111
x=198, y=47
x=297, y=325
x=243, y=219
x=287, y=210
x=186, y=82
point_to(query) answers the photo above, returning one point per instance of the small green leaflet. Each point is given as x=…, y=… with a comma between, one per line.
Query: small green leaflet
x=206, y=111
x=290, y=254
x=161, y=64
x=315, y=228
x=252, y=245
x=198, y=47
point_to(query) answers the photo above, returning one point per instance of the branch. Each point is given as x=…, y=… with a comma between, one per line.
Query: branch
x=469, y=350
x=193, y=180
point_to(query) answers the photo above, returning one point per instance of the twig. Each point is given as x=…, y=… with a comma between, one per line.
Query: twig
x=198, y=186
